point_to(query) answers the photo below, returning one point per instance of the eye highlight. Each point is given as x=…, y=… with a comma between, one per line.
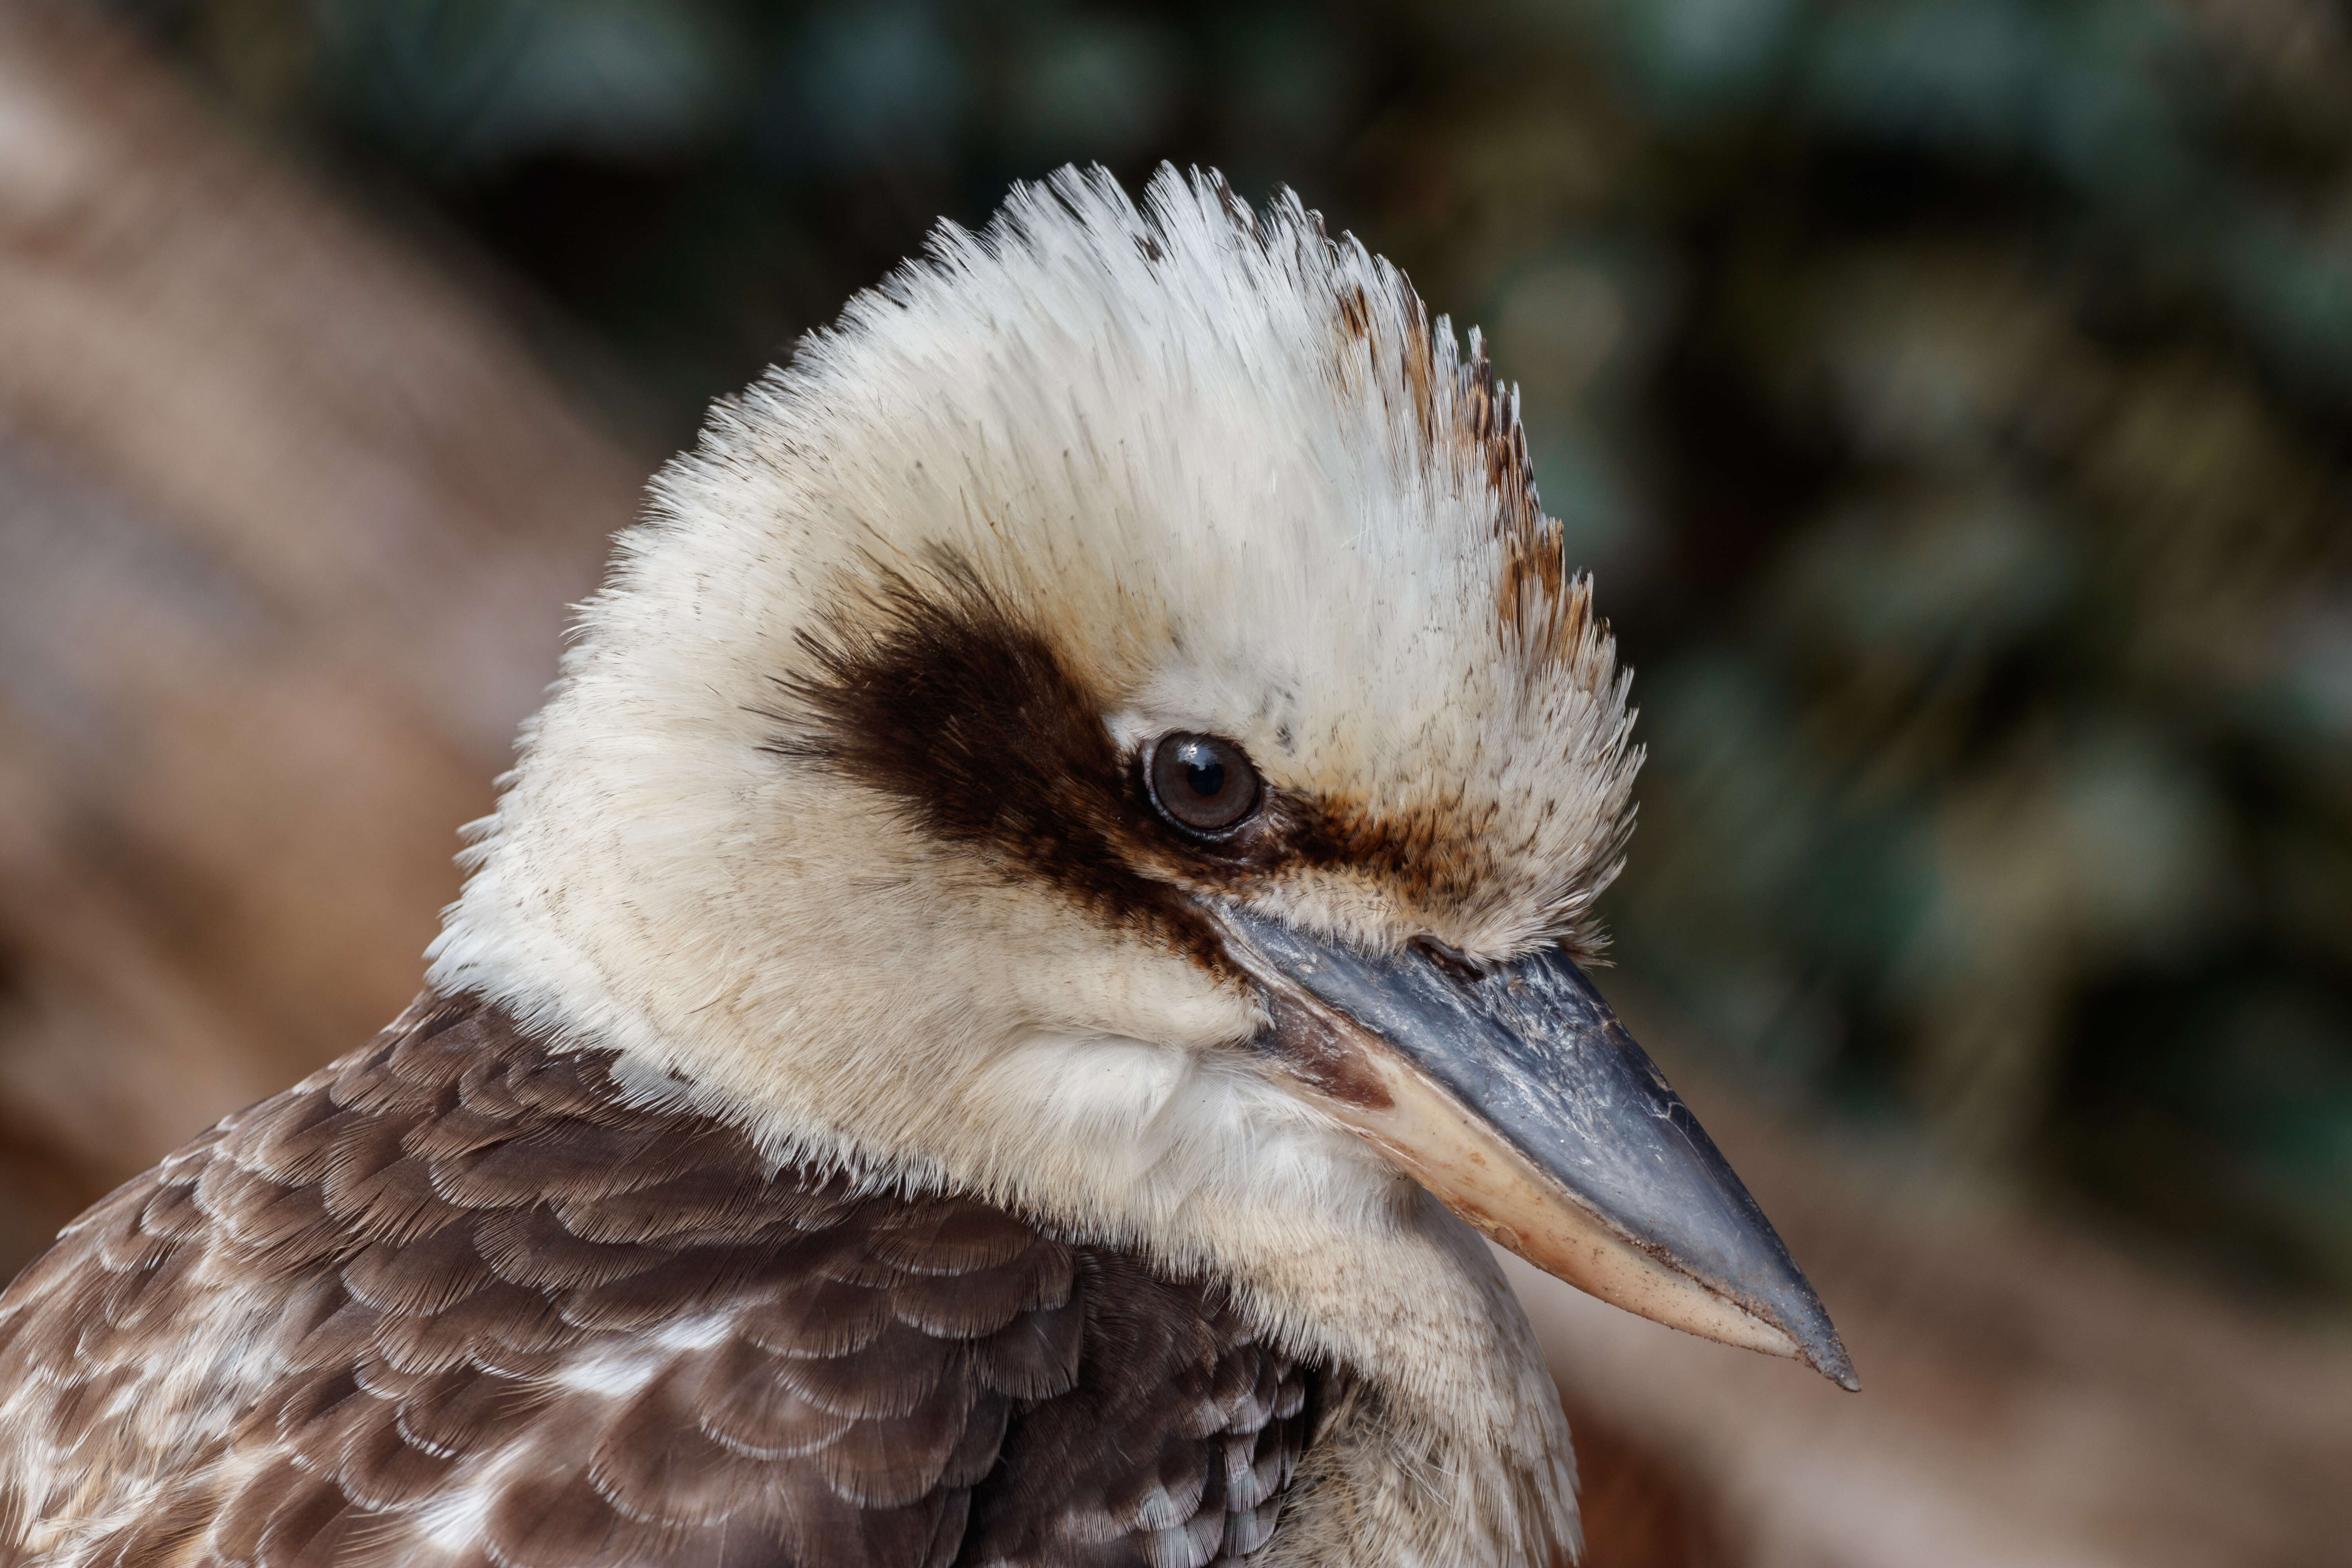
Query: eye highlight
x=1202, y=784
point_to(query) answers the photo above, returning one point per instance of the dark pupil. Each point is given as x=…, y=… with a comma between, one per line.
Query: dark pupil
x=1202, y=784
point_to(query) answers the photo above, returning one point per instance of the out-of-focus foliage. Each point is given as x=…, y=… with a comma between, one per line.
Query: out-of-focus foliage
x=1951, y=396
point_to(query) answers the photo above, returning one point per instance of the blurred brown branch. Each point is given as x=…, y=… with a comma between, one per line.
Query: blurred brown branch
x=286, y=528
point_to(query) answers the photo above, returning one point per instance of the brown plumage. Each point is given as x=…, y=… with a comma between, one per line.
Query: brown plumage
x=493, y=1310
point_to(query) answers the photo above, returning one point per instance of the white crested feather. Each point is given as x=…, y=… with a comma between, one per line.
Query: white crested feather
x=1230, y=469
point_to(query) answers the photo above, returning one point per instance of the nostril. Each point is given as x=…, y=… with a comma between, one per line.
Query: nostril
x=1460, y=964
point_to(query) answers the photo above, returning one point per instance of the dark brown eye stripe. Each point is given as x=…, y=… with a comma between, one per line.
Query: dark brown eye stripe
x=936, y=694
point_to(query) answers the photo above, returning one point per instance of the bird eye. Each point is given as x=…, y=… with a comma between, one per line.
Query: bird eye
x=1202, y=784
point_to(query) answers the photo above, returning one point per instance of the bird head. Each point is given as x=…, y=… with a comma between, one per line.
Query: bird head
x=1108, y=725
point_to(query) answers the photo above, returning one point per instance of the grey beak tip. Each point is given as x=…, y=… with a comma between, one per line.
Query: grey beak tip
x=1793, y=1307
x=1831, y=1362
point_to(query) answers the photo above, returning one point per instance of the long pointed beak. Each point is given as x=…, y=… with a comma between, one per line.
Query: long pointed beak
x=1518, y=1098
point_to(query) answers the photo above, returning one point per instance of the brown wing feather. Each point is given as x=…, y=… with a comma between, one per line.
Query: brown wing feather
x=455, y=1300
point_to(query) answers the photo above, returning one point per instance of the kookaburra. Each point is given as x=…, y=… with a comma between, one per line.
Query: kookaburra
x=1036, y=929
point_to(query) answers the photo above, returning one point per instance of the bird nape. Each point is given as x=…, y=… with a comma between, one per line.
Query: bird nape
x=1039, y=924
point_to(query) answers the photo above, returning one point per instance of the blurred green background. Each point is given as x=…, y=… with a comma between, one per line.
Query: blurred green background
x=1950, y=397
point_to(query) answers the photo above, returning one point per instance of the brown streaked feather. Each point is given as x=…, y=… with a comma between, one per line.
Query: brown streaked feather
x=455, y=1300
x=1176, y=1384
